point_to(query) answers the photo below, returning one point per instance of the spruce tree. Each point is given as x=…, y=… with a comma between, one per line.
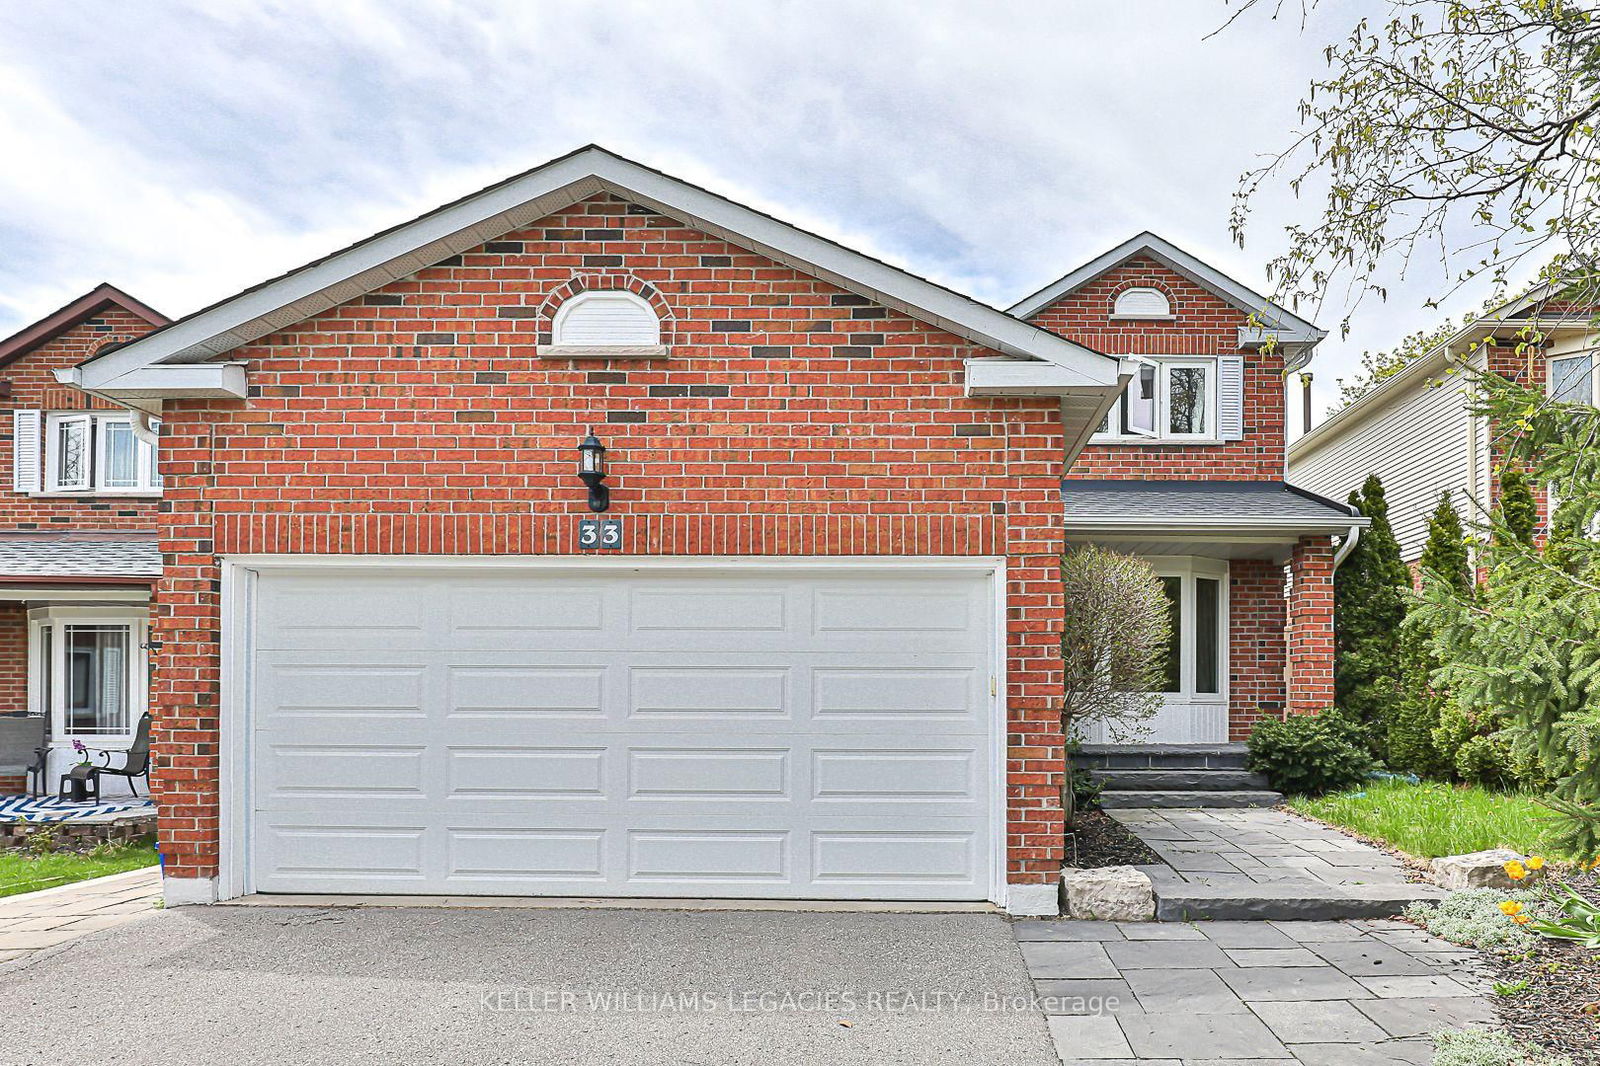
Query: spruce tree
x=1518, y=509
x=1420, y=702
x=1369, y=608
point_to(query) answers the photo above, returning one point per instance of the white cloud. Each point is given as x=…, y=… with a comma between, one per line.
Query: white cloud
x=991, y=147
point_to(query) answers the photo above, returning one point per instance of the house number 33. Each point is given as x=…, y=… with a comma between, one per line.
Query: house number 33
x=604, y=534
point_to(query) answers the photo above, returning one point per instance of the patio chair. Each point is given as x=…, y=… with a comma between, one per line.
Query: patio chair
x=41, y=759
x=136, y=762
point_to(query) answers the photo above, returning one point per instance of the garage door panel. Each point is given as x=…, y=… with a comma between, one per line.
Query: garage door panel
x=307, y=613
x=525, y=691
x=293, y=687
x=508, y=856
x=708, y=856
x=665, y=608
x=722, y=734
x=525, y=773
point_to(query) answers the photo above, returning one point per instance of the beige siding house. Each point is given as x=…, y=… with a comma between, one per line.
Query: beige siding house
x=1417, y=431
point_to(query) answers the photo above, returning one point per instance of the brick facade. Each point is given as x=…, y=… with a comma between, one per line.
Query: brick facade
x=1268, y=661
x=33, y=386
x=1202, y=325
x=792, y=417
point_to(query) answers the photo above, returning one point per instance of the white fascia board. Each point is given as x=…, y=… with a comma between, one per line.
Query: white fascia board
x=165, y=381
x=1290, y=326
x=1028, y=377
x=496, y=210
x=1213, y=526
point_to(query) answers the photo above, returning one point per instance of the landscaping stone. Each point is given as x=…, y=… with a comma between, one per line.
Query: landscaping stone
x=1480, y=869
x=1112, y=893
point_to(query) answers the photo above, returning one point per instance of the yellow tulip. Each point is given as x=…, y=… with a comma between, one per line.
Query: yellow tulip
x=1510, y=907
x=1521, y=919
x=1535, y=862
x=1516, y=871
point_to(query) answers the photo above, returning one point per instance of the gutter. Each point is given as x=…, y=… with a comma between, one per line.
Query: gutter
x=47, y=580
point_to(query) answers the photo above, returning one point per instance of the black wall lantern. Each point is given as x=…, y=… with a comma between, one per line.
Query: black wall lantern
x=592, y=469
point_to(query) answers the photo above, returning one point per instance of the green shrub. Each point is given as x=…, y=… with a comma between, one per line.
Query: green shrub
x=1303, y=754
x=1483, y=1047
x=1472, y=918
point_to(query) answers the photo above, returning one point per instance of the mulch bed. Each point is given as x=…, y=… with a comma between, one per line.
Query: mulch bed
x=1560, y=1009
x=1097, y=840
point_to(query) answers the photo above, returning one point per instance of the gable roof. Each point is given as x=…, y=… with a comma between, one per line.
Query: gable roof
x=79, y=311
x=1288, y=327
x=520, y=200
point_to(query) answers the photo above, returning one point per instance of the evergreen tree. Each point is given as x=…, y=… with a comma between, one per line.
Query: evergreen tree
x=1369, y=608
x=1518, y=509
x=1527, y=645
x=1417, y=711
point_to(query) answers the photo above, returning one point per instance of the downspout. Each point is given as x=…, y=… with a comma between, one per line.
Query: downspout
x=1347, y=546
x=143, y=431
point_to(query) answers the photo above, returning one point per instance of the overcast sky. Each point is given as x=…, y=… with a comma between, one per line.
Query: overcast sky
x=186, y=150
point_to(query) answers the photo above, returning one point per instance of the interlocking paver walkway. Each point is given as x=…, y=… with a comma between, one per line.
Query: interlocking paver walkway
x=37, y=920
x=1309, y=993
x=1258, y=846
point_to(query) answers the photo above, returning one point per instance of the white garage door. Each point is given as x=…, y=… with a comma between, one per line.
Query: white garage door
x=622, y=733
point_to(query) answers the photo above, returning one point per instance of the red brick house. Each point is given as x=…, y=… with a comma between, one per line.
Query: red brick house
x=78, y=547
x=793, y=634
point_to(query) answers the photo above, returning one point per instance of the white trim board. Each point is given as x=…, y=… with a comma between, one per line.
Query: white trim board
x=239, y=573
x=482, y=216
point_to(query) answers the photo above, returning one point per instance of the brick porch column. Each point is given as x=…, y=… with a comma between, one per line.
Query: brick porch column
x=1310, y=630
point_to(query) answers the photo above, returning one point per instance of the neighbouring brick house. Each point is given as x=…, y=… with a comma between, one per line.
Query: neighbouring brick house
x=78, y=545
x=1417, y=430
x=794, y=632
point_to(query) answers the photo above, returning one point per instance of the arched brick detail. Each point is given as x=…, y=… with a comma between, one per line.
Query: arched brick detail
x=1141, y=283
x=604, y=282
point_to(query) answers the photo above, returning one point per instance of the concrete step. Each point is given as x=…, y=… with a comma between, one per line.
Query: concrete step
x=1161, y=756
x=1125, y=800
x=1286, y=901
x=1179, y=780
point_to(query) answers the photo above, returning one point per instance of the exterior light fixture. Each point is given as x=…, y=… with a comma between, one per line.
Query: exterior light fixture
x=592, y=471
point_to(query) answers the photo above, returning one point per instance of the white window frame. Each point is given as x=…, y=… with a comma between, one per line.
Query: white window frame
x=56, y=620
x=1188, y=569
x=1164, y=365
x=148, y=475
x=564, y=312
x=1594, y=372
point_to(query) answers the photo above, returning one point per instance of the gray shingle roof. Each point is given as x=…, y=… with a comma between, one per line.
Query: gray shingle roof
x=1175, y=503
x=48, y=555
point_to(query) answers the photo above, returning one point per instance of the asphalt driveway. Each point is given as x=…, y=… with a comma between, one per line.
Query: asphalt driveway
x=236, y=985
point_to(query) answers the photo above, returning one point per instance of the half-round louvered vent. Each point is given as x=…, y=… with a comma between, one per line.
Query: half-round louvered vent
x=595, y=319
x=1142, y=303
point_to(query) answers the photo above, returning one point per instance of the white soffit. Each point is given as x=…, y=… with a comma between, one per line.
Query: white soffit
x=518, y=201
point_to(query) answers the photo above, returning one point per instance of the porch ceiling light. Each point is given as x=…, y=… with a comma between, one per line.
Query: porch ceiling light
x=592, y=471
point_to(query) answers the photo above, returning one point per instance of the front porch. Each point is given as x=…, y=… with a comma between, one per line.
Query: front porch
x=1248, y=571
x=74, y=654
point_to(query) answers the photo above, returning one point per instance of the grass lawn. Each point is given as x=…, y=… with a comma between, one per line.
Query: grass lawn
x=1432, y=819
x=20, y=872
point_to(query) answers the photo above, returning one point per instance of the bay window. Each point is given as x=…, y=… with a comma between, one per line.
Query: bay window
x=87, y=671
x=97, y=453
x=1168, y=399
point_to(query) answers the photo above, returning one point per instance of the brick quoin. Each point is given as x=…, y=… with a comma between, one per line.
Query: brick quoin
x=792, y=417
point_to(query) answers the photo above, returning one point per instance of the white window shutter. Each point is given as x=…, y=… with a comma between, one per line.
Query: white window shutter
x=1230, y=397
x=27, y=447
